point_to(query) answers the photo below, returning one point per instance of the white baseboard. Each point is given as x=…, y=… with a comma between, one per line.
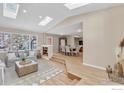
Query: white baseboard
x=98, y=67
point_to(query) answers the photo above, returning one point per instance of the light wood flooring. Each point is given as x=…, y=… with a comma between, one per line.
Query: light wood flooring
x=74, y=65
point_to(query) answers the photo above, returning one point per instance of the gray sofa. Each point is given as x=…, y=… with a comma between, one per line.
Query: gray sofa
x=11, y=57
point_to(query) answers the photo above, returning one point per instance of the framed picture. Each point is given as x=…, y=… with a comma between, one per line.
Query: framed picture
x=49, y=40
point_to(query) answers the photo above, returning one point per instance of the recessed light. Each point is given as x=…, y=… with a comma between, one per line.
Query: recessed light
x=40, y=17
x=79, y=30
x=24, y=11
x=45, y=21
x=61, y=33
x=71, y=6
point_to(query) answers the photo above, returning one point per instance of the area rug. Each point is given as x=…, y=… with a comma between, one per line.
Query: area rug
x=38, y=78
x=46, y=70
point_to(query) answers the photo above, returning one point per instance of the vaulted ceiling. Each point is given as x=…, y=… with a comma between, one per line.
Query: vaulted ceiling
x=30, y=19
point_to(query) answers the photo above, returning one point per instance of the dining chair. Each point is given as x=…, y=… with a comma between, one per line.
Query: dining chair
x=68, y=52
x=76, y=51
x=60, y=49
x=63, y=49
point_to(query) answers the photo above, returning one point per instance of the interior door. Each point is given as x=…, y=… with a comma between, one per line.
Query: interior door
x=62, y=42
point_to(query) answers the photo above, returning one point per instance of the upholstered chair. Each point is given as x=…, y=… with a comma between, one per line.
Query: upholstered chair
x=63, y=49
x=76, y=51
x=68, y=52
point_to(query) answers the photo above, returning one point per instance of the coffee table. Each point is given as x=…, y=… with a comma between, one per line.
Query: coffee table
x=23, y=70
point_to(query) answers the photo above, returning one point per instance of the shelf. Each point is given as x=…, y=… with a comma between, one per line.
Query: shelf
x=47, y=50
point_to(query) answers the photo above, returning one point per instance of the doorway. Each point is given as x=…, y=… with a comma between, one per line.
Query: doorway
x=62, y=42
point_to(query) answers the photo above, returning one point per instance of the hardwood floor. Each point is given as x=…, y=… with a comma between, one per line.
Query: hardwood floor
x=61, y=79
x=74, y=65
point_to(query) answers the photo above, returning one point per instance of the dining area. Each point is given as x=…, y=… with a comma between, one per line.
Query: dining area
x=71, y=50
x=71, y=46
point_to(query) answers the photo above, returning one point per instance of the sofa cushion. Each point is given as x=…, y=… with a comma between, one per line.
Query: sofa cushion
x=11, y=56
x=2, y=56
x=21, y=54
x=31, y=53
x=27, y=53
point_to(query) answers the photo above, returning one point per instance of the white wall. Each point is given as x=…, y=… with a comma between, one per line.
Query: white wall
x=70, y=40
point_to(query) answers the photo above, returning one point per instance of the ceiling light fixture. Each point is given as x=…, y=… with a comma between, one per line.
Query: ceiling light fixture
x=79, y=30
x=71, y=6
x=40, y=17
x=24, y=11
x=45, y=21
x=61, y=33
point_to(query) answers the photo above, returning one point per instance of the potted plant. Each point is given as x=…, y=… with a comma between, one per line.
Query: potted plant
x=23, y=59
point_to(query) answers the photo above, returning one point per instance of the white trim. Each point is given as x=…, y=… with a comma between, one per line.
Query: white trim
x=94, y=66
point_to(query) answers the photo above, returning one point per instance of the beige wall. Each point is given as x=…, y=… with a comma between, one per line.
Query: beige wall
x=102, y=32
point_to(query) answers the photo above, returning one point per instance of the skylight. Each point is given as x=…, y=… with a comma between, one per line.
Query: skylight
x=45, y=21
x=10, y=10
x=71, y=6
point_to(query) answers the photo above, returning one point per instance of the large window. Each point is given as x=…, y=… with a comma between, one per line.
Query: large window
x=15, y=41
x=33, y=42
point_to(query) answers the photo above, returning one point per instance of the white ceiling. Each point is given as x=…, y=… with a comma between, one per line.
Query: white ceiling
x=69, y=30
x=29, y=21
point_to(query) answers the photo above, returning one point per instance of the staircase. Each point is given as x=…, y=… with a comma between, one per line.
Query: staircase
x=58, y=59
x=63, y=78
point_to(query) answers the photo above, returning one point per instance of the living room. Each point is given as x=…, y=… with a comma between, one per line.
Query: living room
x=72, y=47
x=18, y=48
x=17, y=43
